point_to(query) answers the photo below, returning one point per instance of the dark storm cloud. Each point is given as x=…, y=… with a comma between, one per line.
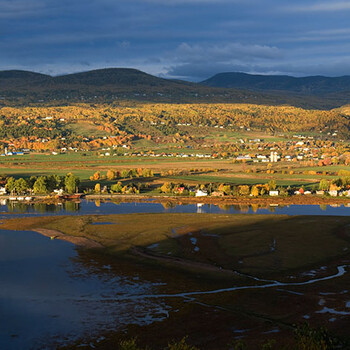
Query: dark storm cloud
x=189, y=39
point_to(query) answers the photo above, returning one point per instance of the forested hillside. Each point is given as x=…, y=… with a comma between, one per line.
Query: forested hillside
x=116, y=84
x=91, y=126
x=312, y=85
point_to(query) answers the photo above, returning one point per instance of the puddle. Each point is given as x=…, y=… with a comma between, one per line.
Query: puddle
x=153, y=246
x=327, y=310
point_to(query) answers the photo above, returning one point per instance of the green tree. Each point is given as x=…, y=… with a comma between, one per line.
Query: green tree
x=147, y=173
x=125, y=173
x=244, y=190
x=54, y=182
x=133, y=173
x=31, y=181
x=272, y=185
x=324, y=185
x=40, y=185
x=10, y=185
x=117, y=188
x=21, y=185
x=71, y=183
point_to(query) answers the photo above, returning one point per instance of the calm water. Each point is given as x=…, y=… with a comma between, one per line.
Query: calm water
x=92, y=207
x=49, y=296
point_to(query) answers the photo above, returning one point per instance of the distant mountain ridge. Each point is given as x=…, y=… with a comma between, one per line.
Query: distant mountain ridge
x=19, y=87
x=311, y=85
x=98, y=77
x=109, y=84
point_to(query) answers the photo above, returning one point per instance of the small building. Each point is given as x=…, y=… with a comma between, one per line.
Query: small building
x=273, y=157
x=273, y=193
x=333, y=193
x=200, y=193
x=180, y=189
x=320, y=192
x=244, y=158
x=3, y=190
x=58, y=192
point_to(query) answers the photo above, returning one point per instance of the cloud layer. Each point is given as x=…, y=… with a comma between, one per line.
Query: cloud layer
x=188, y=39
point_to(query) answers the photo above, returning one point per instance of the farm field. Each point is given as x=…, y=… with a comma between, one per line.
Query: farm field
x=84, y=165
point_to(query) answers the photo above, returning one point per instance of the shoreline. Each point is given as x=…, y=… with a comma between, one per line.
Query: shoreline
x=225, y=200
x=78, y=241
x=228, y=200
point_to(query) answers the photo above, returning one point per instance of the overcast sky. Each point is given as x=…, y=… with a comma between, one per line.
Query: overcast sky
x=187, y=39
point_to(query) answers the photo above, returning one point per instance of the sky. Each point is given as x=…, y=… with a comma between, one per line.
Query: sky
x=182, y=39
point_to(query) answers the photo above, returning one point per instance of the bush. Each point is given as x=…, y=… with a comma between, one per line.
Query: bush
x=182, y=345
x=117, y=188
x=129, y=345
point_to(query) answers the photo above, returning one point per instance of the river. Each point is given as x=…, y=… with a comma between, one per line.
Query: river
x=48, y=297
x=85, y=207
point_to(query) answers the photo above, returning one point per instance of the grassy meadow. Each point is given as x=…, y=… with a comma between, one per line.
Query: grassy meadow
x=85, y=164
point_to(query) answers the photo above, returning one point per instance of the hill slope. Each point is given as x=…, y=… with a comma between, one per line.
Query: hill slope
x=105, y=85
x=115, y=84
x=313, y=85
x=18, y=79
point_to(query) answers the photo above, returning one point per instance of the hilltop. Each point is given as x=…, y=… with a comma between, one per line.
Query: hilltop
x=112, y=84
x=115, y=84
x=312, y=85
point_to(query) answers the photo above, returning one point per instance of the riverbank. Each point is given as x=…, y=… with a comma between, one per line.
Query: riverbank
x=225, y=200
x=229, y=200
x=79, y=241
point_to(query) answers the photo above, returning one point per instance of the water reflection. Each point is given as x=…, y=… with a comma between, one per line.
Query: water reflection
x=117, y=207
x=48, y=291
x=323, y=207
x=71, y=206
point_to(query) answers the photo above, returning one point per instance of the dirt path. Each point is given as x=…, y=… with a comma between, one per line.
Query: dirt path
x=79, y=241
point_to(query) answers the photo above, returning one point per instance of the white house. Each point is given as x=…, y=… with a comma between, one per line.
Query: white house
x=58, y=192
x=333, y=193
x=273, y=193
x=200, y=193
x=3, y=190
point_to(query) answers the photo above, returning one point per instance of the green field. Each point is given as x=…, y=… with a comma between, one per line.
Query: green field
x=190, y=171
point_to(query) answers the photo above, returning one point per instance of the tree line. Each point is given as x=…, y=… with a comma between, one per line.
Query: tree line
x=43, y=184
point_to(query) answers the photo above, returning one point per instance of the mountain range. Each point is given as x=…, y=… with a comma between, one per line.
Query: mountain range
x=110, y=84
x=312, y=85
